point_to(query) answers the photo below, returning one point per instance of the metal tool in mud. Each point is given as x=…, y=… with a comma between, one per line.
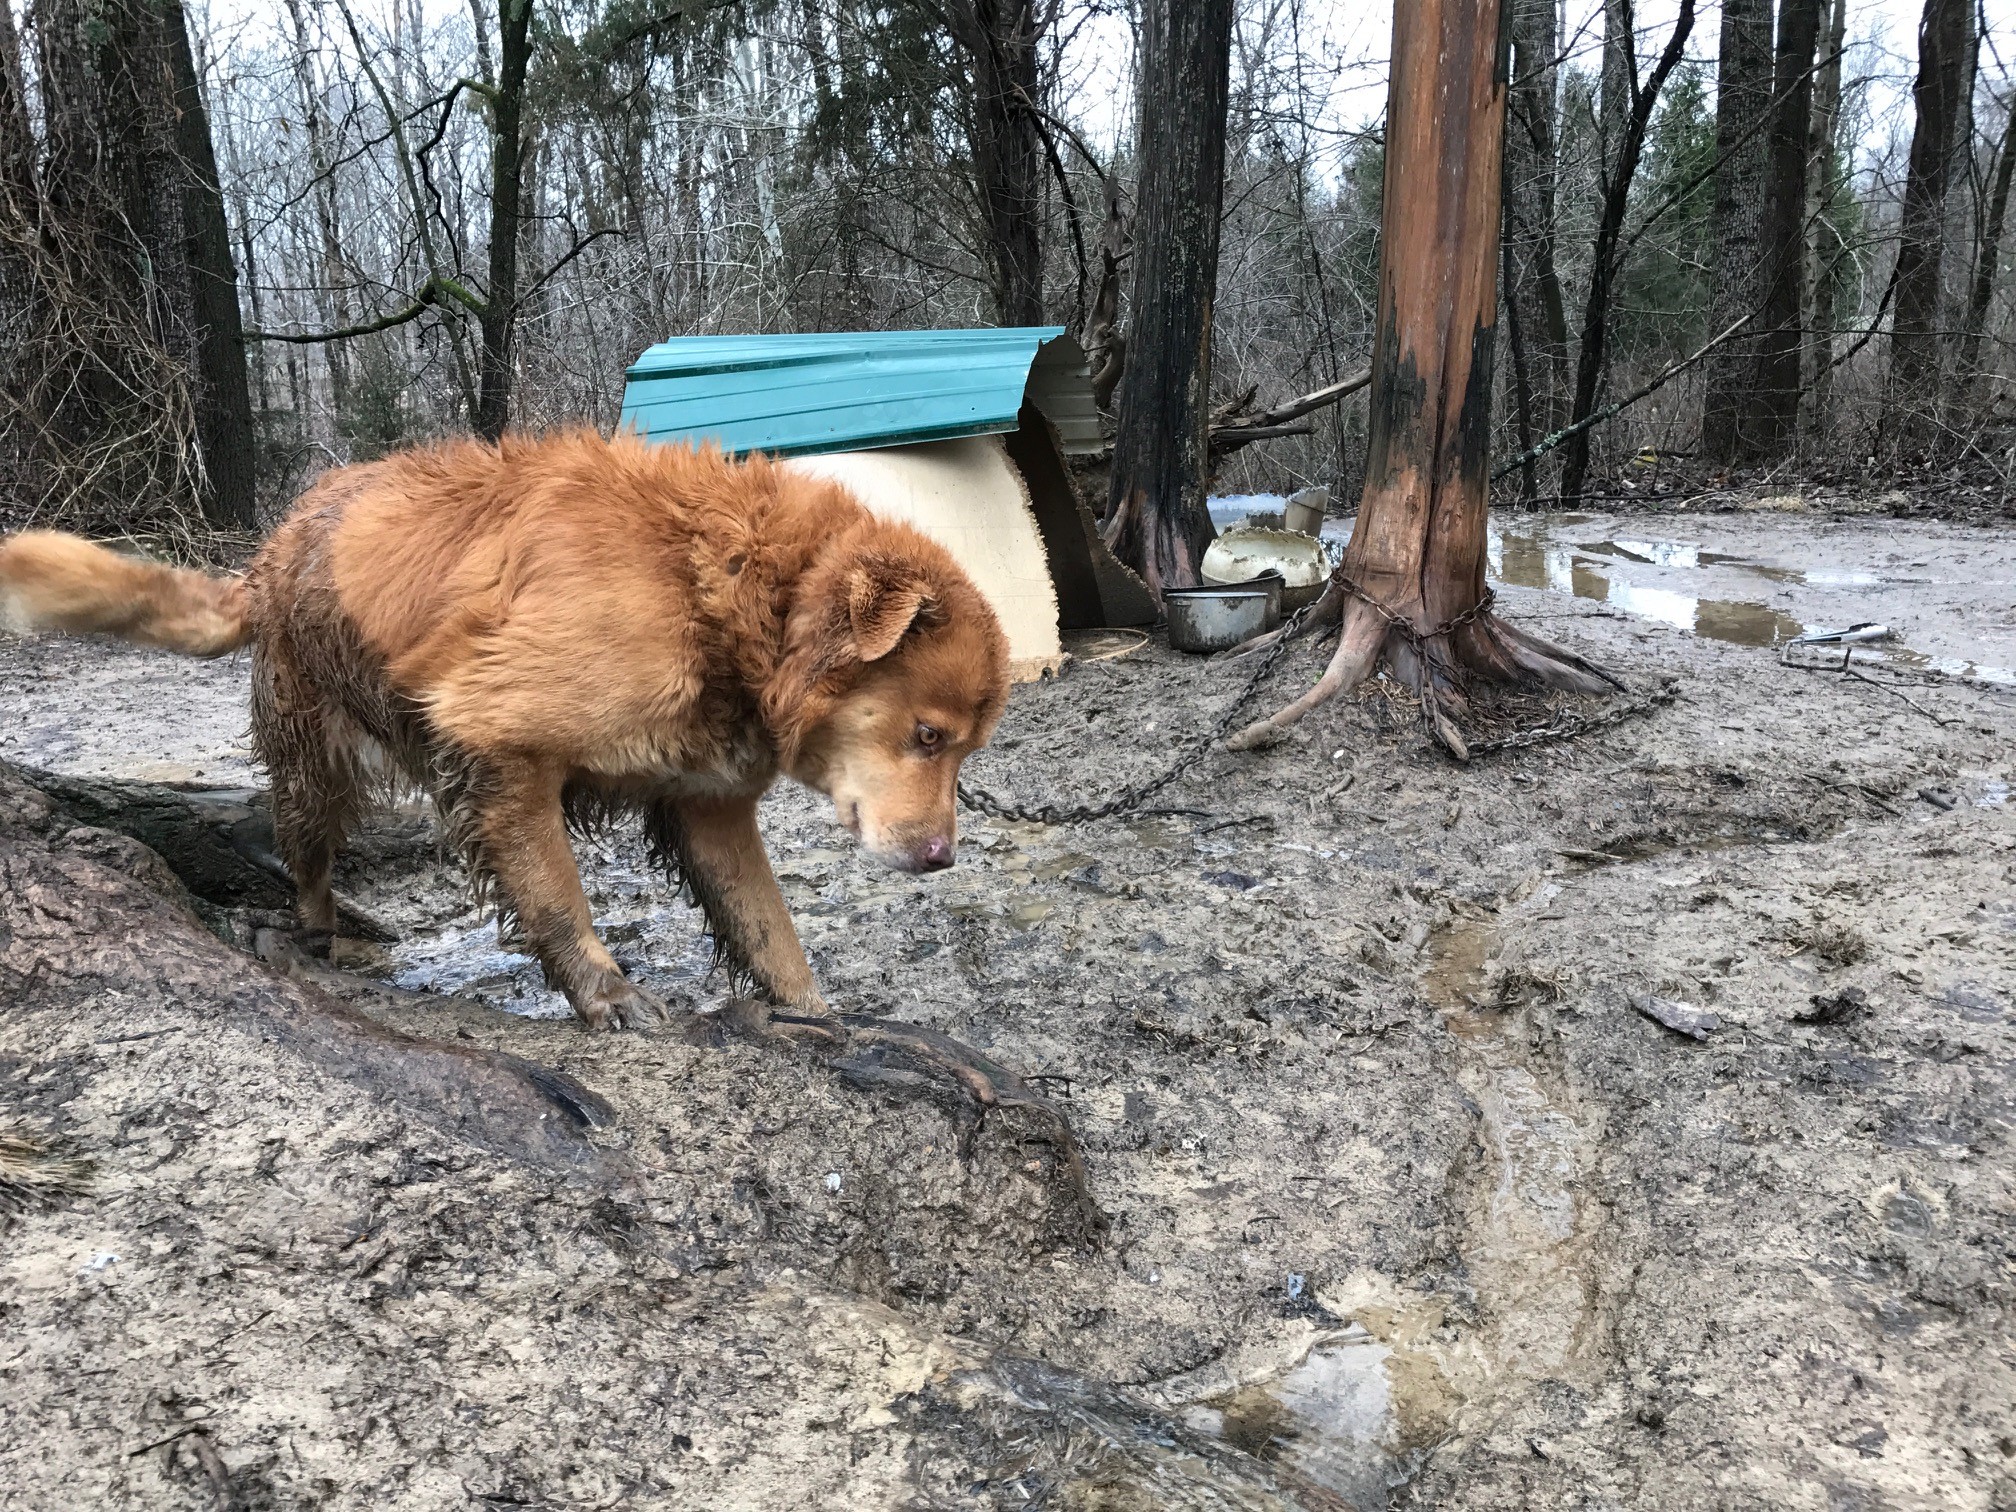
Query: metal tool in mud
x=1868, y=630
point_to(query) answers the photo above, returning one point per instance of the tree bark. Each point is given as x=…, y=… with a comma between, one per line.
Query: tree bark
x=1743, y=95
x=499, y=315
x=1619, y=84
x=223, y=396
x=1823, y=240
x=331, y=300
x=1532, y=172
x=999, y=38
x=1943, y=65
x=1418, y=549
x=1158, y=524
x=1604, y=259
x=1967, y=372
x=1773, y=416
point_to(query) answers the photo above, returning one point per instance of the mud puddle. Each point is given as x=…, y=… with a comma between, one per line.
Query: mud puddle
x=1761, y=580
x=1532, y=1235
x=1329, y=1427
x=1797, y=581
x=1402, y=1373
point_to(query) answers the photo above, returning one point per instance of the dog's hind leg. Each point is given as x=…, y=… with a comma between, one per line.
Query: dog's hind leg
x=317, y=789
x=718, y=849
x=519, y=837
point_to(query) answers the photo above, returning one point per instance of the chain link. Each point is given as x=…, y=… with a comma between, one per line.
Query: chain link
x=1566, y=725
x=1570, y=723
x=1132, y=797
x=1397, y=621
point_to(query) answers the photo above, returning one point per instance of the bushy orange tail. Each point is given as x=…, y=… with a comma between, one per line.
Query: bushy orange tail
x=52, y=581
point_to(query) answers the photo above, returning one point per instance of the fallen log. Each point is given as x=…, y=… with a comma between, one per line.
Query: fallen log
x=91, y=915
x=91, y=918
x=217, y=841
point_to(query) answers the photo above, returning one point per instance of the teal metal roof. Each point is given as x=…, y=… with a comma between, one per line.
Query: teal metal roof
x=852, y=391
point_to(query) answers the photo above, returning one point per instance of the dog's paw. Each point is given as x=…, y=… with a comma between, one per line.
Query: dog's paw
x=620, y=1004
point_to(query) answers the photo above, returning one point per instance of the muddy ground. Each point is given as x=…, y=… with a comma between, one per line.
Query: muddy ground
x=1408, y=1202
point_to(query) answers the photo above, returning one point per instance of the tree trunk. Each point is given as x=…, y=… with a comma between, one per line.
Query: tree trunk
x=1823, y=240
x=1967, y=372
x=507, y=172
x=1412, y=583
x=1618, y=86
x=19, y=196
x=1603, y=259
x=1531, y=172
x=1914, y=344
x=333, y=305
x=223, y=398
x=1158, y=524
x=999, y=38
x=1773, y=414
x=1743, y=95
x=132, y=378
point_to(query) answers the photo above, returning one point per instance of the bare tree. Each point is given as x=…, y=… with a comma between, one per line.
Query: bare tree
x=1743, y=96
x=1158, y=524
x=999, y=39
x=1771, y=418
x=1411, y=588
x=1944, y=65
x=1605, y=259
x=1987, y=262
x=1534, y=303
x=223, y=396
x=1824, y=244
x=497, y=318
x=126, y=381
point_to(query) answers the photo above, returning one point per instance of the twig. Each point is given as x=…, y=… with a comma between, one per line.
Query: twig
x=1236, y=431
x=1900, y=693
x=1861, y=788
x=1659, y=382
x=1241, y=819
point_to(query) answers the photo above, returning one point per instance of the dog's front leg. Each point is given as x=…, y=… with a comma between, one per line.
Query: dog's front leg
x=524, y=844
x=717, y=845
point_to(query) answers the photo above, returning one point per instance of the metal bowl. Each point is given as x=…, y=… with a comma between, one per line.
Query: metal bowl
x=1240, y=555
x=1217, y=619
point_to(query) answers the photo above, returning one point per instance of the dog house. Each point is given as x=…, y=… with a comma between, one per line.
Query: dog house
x=961, y=433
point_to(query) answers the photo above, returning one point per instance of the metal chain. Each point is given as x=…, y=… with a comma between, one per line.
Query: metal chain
x=1569, y=723
x=1132, y=797
x=1566, y=725
x=1404, y=625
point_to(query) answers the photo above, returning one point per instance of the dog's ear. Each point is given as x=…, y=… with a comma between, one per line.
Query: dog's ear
x=883, y=601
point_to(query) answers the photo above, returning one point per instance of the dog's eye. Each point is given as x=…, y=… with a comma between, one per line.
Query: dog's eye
x=930, y=737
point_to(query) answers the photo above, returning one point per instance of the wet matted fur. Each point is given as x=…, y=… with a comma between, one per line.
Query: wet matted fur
x=577, y=627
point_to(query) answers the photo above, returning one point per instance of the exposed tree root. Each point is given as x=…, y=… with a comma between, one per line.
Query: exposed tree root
x=1437, y=667
x=907, y=1060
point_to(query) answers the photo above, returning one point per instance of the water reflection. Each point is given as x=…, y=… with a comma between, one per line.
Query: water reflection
x=1532, y=559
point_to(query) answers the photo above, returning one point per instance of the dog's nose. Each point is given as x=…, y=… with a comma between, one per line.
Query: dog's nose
x=935, y=854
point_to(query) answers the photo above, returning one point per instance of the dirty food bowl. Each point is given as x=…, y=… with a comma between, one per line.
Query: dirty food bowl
x=1217, y=619
x=1241, y=555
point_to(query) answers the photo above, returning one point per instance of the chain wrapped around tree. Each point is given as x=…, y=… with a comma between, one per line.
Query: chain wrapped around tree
x=1410, y=592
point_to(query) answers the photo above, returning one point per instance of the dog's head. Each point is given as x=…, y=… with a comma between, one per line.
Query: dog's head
x=895, y=670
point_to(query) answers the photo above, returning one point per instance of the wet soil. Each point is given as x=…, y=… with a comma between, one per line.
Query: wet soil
x=1410, y=1203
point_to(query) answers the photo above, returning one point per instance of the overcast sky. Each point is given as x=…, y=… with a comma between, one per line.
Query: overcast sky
x=1348, y=40
x=1343, y=46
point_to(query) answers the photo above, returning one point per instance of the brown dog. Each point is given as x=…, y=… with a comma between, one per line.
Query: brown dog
x=568, y=627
